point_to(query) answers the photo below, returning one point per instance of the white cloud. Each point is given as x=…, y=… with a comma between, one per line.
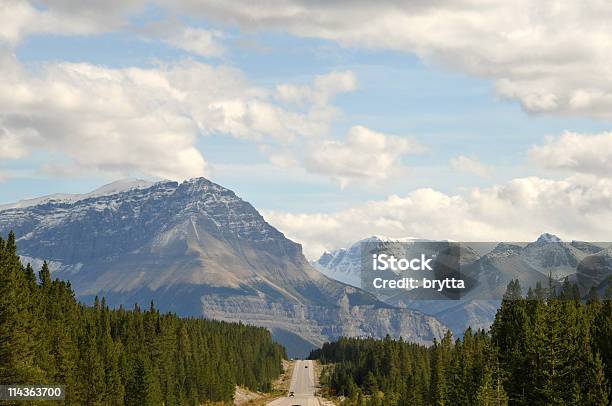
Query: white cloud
x=12, y=146
x=253, y=118
x=116, y=121
x=580, y=153
x=137, y=120
x=20, y=18
x=576, y=208
x=471, y=165
x=282, y=158
x=365, y=154
x=197, y=41
x=552, y=56
x=321, y=91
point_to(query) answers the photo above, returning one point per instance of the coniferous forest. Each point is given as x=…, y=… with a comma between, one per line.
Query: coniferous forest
x=549, y=348
x=121, y=357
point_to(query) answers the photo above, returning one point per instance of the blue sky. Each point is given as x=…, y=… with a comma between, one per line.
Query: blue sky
x=451, y=113
x=454, y=118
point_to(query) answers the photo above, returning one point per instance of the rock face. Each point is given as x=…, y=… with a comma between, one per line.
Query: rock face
x=197, y=249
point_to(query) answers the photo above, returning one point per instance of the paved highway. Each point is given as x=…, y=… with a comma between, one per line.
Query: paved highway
x=302, y=385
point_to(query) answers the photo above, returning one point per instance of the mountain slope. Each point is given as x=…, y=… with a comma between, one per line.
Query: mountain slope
x=198, y=249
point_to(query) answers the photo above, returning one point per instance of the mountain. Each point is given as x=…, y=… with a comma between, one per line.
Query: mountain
x=594, y=271
x=344, y=264
x=109, y=189
x=488, y=269
x=531, y=263
x=197, y=249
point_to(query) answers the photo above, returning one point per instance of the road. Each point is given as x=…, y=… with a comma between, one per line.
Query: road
x=302, y=385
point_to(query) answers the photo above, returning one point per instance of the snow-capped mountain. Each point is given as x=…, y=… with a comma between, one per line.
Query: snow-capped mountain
x=119, y=186
x=489, y=270
x=531, y=263
x=197, y=249
x=549, y=254
x=344, y=264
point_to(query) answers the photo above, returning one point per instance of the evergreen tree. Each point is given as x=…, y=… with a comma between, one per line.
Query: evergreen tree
x=547, y=349
x=119, y=357
x=17, y=346
x=491, y=392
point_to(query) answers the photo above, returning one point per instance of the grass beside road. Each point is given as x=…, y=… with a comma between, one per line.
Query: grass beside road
x=280, y=387
x=323, y=393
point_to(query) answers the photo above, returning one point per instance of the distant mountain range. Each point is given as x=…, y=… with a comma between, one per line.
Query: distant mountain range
x=490, y=267
x=197, y=249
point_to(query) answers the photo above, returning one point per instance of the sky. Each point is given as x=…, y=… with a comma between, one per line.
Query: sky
x=457, y=119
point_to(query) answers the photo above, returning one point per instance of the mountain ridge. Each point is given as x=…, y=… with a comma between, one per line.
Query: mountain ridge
x=198, y=249
x=490, y=270
x=118, y=186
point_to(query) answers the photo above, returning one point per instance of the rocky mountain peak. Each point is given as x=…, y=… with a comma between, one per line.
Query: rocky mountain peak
x=548, y=238
x=506, y=249
x=122, y=216
x=325, y=258
x=122, y=185
x=199, y=186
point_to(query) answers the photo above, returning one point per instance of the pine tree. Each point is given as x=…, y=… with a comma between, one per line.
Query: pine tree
x=491, y=392
x=509, y=332
x=541, y=351
x=17, y=348
x=598, y=391
x=118, y=357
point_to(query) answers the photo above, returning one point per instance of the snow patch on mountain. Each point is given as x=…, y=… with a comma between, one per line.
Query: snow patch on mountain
x=113, y=188
x=548, y=238
x=344, y=264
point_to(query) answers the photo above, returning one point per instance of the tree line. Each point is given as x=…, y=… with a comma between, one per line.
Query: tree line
x=121, y=357
x=548, y=348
